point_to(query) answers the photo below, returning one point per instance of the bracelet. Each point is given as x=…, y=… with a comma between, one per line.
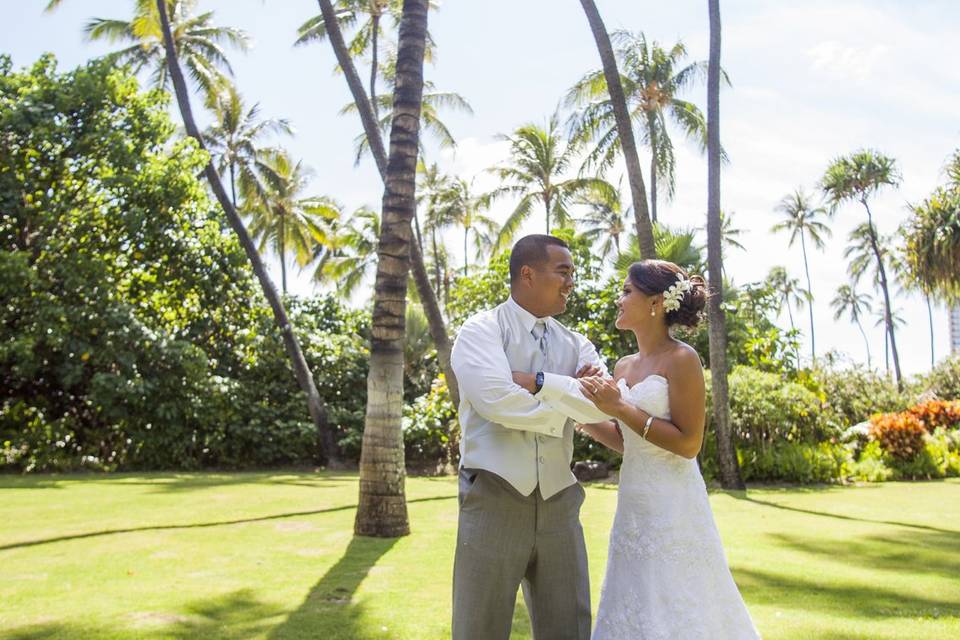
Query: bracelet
x=646, y=427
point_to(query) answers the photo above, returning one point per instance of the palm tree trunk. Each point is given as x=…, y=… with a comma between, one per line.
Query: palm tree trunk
x=283, y=258
x=233, y=186
x=382, y=510
x=438, y=329
x=436, y=258
x=886, y=347
x=887, y=312
x=726, y=451
x=624, y=130
x=653, y=172
x=318, y=411
x=865, y=342
x=930, y=319
x=546, y=204
x=813, y=337
x=374, y=37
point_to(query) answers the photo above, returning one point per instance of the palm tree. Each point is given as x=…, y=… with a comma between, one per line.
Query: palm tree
x=197, y=43
x=604, y=219
x=350, y=257
x=791, y=294
x=802, y=221
x=382, y=509
x=281, y=216
x=726, y=451
x=430, y=190
x=651, y=79
x=538, y=160
x=881, y=321
x=857, y=177
x=302, y=371
x=905, y=278
x=460, y=206
x=933, y=241
x=673, y=245
x=367, y=36
x=438, y=329
x=729, y=235
x=621, y=116
x=855, y=306
x=433, y=100
x=234, y=140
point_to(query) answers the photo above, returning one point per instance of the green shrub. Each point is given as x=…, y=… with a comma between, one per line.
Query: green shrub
x=794, y=462
x=944, y=381
x=431, y=430
x=871, y=465
x=852, y=394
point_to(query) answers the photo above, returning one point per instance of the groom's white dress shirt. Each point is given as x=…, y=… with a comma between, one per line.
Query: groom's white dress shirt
x=525, y=439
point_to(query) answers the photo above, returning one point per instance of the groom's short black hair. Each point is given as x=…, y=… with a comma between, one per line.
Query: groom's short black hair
x=531, y=251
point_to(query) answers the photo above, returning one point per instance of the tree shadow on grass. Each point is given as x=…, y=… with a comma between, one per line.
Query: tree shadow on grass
x=850, y=599
x=237, y=615
x=329, y=611
x=742, y=495
x=198, y=525
x=901, y=553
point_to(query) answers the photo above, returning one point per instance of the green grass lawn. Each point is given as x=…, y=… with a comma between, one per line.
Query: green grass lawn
x=271, y=555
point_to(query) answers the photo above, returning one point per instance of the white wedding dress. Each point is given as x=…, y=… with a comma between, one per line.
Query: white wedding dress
x=667, y=575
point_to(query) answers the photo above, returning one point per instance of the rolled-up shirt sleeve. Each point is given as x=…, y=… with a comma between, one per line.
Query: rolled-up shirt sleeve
x=563, y=393
x=486, y=382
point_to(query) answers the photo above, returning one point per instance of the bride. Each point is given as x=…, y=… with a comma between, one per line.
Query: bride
x=667, y=574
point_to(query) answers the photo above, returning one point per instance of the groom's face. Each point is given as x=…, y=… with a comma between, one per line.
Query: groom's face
x=552, y=281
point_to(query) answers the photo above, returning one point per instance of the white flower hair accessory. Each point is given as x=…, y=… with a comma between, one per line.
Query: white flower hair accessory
x=676, y=292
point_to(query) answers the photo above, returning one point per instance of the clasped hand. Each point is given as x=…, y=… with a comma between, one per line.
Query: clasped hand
x=603, y=392
x=529, y=380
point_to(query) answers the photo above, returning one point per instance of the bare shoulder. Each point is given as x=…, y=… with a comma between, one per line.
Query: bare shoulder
x=623, y=365
x=684, y=361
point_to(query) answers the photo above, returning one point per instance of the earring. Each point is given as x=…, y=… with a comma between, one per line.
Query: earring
x=653, y=311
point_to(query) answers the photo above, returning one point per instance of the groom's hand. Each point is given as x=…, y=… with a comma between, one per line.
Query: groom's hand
x=526, y=380
x=589, y=370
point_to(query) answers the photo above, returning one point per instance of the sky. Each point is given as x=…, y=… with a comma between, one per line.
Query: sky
x=810, y=81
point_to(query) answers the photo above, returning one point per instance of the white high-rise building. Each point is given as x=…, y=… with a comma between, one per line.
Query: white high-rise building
x=955, y=330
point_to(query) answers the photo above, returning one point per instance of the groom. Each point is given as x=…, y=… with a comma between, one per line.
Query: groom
x=519, y=503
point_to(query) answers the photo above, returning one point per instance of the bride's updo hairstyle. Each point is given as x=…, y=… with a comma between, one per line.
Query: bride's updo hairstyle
x=657, y=276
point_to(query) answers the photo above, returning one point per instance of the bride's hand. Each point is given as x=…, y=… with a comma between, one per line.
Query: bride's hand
x=603, y=392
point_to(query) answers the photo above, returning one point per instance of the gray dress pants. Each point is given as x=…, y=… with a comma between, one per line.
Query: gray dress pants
x=505, y=540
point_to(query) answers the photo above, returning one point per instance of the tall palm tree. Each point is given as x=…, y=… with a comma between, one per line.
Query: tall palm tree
x=534, y=173
x=431, y=189
x=382, y=509
x=367, y=35
x=791, y=294
x=197, y=42
x=855, y=306
x=856, y=178
x=907, y=281
x=933, y=241
x=624, y=128
x=603, y=220
x=433, y=101
x=652, y=78
x=281, y=215
x=460, y=206
x=726, y=451
x=803, y=220
x=234, y=139
x=368, y=117
x=881, y=321
x=318, y=411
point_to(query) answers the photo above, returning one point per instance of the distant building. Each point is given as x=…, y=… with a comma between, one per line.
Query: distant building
x=955, y=330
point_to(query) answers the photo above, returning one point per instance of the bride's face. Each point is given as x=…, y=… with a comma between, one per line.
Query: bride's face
x=633, y=307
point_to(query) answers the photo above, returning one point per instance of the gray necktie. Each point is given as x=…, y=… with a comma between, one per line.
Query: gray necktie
x=539, y=333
